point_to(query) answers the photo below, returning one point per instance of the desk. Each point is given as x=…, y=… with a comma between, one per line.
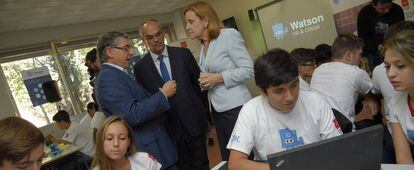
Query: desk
x=220, y=166
x=396, y=167
x=69, y=150
x=223, y=166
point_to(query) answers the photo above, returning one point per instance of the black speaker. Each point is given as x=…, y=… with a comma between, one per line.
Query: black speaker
x=51, y=91
x=252, y=15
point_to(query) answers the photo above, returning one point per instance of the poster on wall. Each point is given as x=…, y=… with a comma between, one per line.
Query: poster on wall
x=284, y=27
x=346, y=12
x=33, y=80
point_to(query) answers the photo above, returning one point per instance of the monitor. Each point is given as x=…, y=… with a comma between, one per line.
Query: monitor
x=359, y=150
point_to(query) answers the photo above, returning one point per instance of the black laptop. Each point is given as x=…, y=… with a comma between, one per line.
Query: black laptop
x=360, y=150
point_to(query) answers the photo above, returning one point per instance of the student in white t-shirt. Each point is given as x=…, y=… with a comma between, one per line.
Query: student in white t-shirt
x=281, y=118
x=399, y=63
x=86, y=121
x=342, y=80
x=305, y=59
x=75, y=133
x=97, y=116
x=379, y=76
x=116, y=149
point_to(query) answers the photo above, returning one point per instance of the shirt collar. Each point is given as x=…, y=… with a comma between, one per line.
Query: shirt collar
x=155, y=56
x=114, y=65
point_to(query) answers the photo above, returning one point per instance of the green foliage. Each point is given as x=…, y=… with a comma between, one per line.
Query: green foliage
x=73, y=61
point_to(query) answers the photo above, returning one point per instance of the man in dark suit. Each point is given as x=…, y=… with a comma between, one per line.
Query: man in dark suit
x=119, y=94
x=186, y=121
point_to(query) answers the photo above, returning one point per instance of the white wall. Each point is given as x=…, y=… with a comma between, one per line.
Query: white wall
x=249, y=30
x=7, y=108
x=179, y=24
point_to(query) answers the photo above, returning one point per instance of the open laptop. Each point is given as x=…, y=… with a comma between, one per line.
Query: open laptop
x=360, y=150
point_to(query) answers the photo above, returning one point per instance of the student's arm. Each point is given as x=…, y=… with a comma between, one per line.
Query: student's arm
x=369, y=110
x=401, y=145
x=239, y=161
x=363, y=82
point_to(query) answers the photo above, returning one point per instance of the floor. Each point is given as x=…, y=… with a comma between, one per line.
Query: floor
x=214, y=156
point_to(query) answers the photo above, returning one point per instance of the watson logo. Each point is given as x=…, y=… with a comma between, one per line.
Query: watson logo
x=297, y=27
x=279, y=30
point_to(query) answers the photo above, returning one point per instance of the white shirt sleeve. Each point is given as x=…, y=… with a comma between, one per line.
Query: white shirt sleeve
x=154, y=164
x=242, y=138
x=392, y=117
x=329, y=127
x=71, y=136
x=375, y=84
x=143, y=160
x=97, y=119
x=363, y=81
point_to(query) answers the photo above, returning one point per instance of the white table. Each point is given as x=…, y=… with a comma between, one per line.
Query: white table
x=396, y=167
x=383, y=166
x=71, y=149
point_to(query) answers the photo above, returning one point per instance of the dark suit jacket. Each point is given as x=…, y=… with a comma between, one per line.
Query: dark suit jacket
x=119, y=94
x=186, y=105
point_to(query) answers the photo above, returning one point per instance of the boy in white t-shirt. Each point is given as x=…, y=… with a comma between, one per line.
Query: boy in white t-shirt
x=75, y=134
x=281, y=118
x=305, y=59
x=341, y=81
x=97, y=116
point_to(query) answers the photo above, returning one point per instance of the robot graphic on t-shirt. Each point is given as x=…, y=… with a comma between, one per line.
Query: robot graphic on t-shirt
x=289, y=139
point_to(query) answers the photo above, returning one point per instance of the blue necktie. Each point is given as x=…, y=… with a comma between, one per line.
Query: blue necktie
x=164, y=72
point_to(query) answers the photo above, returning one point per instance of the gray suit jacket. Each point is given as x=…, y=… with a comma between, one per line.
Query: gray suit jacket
x=228, y=55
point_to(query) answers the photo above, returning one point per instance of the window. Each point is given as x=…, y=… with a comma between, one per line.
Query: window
x=39, y=115
x=73, y=61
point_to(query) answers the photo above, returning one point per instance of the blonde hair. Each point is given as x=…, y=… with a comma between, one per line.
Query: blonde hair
x=203, y=9
x=101, y=160
x=17, y=139
x=403, y=44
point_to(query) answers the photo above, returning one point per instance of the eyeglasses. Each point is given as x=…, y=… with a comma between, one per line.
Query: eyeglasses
x=152, y=37
x=125, y=48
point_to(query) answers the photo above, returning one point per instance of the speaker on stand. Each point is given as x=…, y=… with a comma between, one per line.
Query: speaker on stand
x=51, y=91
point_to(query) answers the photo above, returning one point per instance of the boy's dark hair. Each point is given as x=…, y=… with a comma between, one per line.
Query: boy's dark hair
x=344, y=43
x=92, y=105
x=398, y=27
x=91, y=57
x=375, y=2
x=323, y=54
x=303, y=55
x=274, y=68
x=61, y=115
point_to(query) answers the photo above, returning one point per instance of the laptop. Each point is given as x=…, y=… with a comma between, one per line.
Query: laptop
x=359, y=150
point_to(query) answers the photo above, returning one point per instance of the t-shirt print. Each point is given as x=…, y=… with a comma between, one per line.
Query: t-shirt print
x=289, y=139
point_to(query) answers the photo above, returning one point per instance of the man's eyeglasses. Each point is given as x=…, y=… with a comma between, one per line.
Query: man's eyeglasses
x=152, y=37
x=125, y=48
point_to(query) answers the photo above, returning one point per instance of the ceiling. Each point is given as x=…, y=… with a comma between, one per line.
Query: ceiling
x=17, y=15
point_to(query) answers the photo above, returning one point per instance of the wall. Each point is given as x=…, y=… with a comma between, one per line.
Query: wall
x=250, y=31
x=7, y=108
x=179, y=24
